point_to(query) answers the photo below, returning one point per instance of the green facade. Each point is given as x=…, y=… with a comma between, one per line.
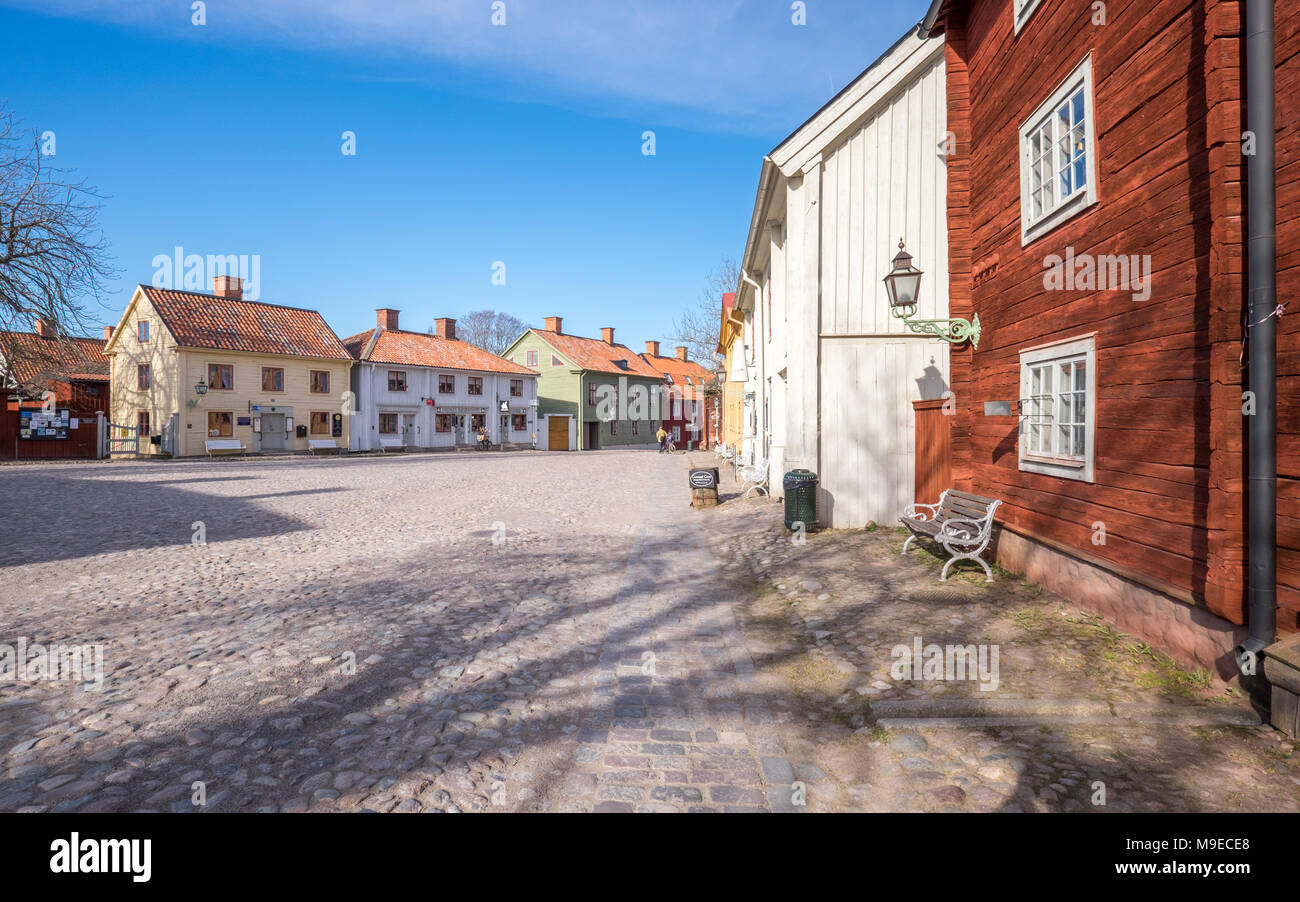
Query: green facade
x=564, y=390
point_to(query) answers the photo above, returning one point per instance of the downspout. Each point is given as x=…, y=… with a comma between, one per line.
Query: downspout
x=1261, y=336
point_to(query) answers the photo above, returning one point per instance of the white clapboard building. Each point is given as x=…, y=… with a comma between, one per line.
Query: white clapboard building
x=831, y=374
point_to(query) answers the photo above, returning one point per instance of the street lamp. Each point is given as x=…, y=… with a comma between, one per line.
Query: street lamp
x=903, y=284
x=200, y=389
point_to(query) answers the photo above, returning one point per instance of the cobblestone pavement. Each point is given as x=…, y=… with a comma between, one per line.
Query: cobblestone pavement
x=488, y=632
x=1081, y=718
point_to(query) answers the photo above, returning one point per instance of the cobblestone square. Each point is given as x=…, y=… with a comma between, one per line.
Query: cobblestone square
x=547, y=632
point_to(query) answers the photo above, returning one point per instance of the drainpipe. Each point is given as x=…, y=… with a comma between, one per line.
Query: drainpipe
x=1261, y=336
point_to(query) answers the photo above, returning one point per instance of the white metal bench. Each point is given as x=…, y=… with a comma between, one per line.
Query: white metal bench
x=323, y=444
x=753, y=477
x=391, y=443
x=224, y=444
x=961, y=522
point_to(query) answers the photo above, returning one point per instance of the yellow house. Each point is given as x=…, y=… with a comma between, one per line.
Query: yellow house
x=193, y=371
x=731, y=344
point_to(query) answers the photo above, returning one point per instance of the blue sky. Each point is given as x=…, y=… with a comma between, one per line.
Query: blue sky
x=474, y=143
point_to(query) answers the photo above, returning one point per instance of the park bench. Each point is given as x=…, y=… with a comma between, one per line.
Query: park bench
x=323, y=444
x=224, y=444
x=753, y=477
x=390, y=443
x=961, y=522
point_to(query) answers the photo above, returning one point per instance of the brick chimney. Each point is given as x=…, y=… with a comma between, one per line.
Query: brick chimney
x=445, y=327
x=108, y=332
x=386, y=318
x=652, y=348
x=228, y=287
x=45, y=328
x=681, y=352
x=553, y=324
x=607, y=335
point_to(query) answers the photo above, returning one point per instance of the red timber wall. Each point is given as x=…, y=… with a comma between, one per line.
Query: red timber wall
x=1169, y=456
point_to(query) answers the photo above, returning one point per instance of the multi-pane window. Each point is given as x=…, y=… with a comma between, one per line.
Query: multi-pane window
x=516, y=388
x=591, y=393
x=613, y=427
x=320, y=422
x=446, y=385
x=143, y=330
x=221, y=376
x=397, y=380
x=221, y=424
x=556, y=361
x=530, y=358
x=1058, y=157
x=272, y=379
x=518, y=422
x=442, y=422
x=636, y=428
x=143, y=377
x=474, y=385
x=478, y=421
x=142, y=422
x=1058, y=387
x=388, y=424
x=320, y=382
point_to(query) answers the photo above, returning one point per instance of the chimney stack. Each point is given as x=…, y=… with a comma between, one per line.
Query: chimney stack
x=681, y=352
x=445, y=327
x=108, y=332
x=45, y=328
x=228, y=287
x=652, y=348
x=386, y=318
x=607, y=335
x=553, y=324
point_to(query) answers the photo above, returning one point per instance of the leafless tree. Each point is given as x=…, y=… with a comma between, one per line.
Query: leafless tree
x=489, y=330
x=53, y=256
x=700, y=325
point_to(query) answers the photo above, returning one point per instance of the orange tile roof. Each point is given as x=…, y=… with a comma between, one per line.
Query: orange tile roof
x=679, y=369
x=597, y=355
x=37, y=359
x=424, y=349
x=199, y=320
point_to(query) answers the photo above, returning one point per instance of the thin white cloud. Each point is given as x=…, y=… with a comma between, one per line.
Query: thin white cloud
x=732, y=64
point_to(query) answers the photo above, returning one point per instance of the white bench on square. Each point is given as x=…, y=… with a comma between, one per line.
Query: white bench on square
x=224, y=444
x=323, y=444
x=961, y=522
x=390, y=443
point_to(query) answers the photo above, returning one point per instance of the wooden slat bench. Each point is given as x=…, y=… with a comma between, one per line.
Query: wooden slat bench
x=224, y=444
x=387, y=443
x=323, y=444
x=961, y=522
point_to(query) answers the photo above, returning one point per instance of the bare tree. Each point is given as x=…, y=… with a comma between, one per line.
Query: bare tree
x=700, y=326
x=53, y=257
x=488, y=329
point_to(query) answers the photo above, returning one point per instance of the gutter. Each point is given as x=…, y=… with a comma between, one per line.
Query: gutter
x=1261, y=336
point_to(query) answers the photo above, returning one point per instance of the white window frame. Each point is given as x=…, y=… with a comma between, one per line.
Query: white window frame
x=1032, y=228
x=1055, y=463
x=1021, y=11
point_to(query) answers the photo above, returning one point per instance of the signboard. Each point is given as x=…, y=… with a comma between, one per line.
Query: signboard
x=704, y=479
x=336, y=425
x=243, y=421
x=43, y=424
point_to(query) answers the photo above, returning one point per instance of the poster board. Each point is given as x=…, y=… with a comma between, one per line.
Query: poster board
x=43, y=425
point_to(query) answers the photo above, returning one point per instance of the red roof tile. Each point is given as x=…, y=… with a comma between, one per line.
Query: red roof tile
x=206, y=321
x=597, y=355
x=36, y=359
x=424, y=349
x=680, y=369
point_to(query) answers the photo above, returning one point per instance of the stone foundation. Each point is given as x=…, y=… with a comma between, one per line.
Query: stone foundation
x=1192, y=636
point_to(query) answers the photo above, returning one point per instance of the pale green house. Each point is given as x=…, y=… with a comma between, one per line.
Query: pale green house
x=571, y=373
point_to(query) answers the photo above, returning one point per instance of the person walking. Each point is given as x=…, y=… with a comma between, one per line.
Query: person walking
x=662, y=435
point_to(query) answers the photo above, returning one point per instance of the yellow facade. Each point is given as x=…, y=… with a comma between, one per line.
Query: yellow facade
x=174, y=372
x=732, y=346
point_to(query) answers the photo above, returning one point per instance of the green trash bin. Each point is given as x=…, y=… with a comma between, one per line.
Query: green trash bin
x=800, y=499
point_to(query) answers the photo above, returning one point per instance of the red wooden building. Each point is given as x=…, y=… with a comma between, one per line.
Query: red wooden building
x=75, y=370
x=691, y=412
x=1097, y=221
